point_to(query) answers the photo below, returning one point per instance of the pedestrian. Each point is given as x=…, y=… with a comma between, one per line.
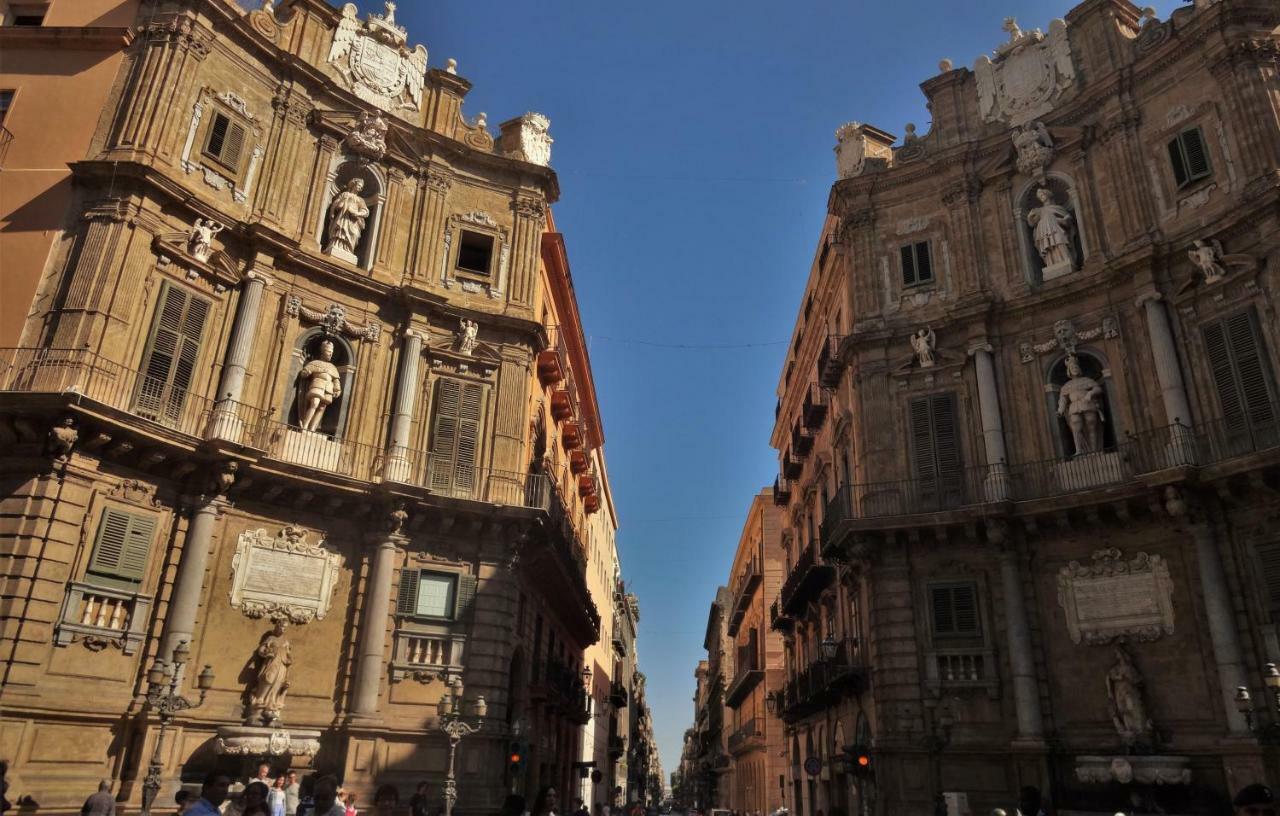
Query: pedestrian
x=184, y=800
x=351, y=804
x=1255, y=800
x=292, y=793
x=545, y=804
x=262, y=775
x=253, y=799
x=276, y=798
x=419, y=803
x=580, y=808
x=101, y=803
x=324, y=799
x=213, y=793
x=386, y=800
x=513, y=805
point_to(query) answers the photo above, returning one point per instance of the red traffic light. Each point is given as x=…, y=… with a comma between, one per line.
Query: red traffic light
x=863, y=761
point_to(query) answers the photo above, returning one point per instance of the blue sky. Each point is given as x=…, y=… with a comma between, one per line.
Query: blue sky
x=693, y=141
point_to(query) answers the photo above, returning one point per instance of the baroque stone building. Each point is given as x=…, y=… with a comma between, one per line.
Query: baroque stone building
x=1027, y=431
x=303, y=393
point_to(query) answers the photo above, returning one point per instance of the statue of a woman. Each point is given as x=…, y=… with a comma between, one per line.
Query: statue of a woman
x=1124, y=694
x=347, y=214
x=1080, y=404
x=273, y=659
x=1051, y=225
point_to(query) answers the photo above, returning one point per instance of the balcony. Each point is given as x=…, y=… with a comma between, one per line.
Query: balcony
x=830, y=368
x=806, y=579
x=781, y=491
x=747, y=737
x=617, y=695
x=792, y=466
x=553, y=360
x=562, y=406
x=801, y=439
x=814, y=410
x=779, y=620
x=568, y=692
x=824, y=682
x=617, y=747
x=744, y=589
x=749, y=676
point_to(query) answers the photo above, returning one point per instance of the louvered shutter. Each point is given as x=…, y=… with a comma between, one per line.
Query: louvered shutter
x=407, y=595
x=1269, y=562
x=1242, y=378
x=1180, y=176
x=955, y=611
x=217, y=135
x=171, y=359
x=1197, y=155
x=233, y=146
x=468, y=438
x=922, y=454
x=924, y=264
x=108, y=549
x=122, y=546
x=466, y=596
x=935, y=450
x=908, y=266
x=444, y=434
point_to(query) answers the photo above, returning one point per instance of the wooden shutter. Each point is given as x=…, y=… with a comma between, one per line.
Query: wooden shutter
x=122, y=546
x=466, y=597
x=908, y=266
x=1180, y=176
x=935, y=449
x=455, y=437
x=1197, y=156
x=407, y=596
x=1269, y=562
x=955, y=611
x=217, y=135
x=233, y=146
x=924, y=264
x=1241, y=375
x=468, y=437
x=170, y=362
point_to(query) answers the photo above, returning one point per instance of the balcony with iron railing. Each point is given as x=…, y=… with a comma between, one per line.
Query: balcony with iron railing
x=743, y=589
x=746, y=737
x=802, y=440
x=805, y=580
x=553, y=360
x=824, y=682
x=1211, y=448
x=829, y=366
x=749, y=674
x=814, y=410
x=617, y=694
x=781, y=491
x=779, y=620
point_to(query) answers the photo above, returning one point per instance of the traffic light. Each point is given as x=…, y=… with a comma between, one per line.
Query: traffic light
x=861, y=762
x=515, y=757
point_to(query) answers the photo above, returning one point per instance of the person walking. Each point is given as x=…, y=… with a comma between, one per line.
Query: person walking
x=292, y=793
x=420, y=802
x=101, y=803
x=253, y=799
x=324, y=799
x=351, y=804
x=546, y=803
x=581, y=809
x=276, y=797
x=212, y=794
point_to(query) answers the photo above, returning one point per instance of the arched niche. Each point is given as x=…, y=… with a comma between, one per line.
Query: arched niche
x=373, y=190
x=1092, y=366
x=1062, y=195
x=309, y=347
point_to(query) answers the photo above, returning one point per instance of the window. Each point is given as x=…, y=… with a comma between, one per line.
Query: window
x=917, y=268
x=225, y=141
x=954, y=611
x=1189, y=157
x=935, y=451
x=120, y=549
x=475, y=253
x=169, y=364
x=27, y=14
x=6, y=101
x=455, y=435
x=1241, y=375
x=430, y=594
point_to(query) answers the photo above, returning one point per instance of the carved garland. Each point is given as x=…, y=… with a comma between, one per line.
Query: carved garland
x=1066, y=337
x=333, y=320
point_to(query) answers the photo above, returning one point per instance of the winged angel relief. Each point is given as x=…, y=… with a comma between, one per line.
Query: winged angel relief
x=375, y=60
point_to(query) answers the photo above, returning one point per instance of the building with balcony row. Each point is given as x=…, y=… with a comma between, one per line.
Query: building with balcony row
x=1028, y=429
x=303, y=393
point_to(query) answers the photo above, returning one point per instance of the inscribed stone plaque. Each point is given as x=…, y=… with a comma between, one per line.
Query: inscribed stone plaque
x=1114, y=598
x=283, y=577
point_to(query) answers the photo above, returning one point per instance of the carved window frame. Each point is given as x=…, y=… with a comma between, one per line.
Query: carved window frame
x=477, y=221
x=980, y=647
x=411, y=626
x=1209, y=119
x=216, y=174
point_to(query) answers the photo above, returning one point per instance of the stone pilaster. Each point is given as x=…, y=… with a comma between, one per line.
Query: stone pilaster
x=373, y=619
x=1227, y=654
x=428, y=252
x=531, y=218
x=284, y=145
x=392, y=252
x=996, y=486
x=226, y=423
x=1247, y=75
x=310, y=226
x=966, y=252
x=188, y=586
x=1026, y=687
x=399, y=466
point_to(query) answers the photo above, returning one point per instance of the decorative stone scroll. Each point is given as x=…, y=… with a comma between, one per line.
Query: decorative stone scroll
x=1113, y=599
x=283, y=577
x=333, y=320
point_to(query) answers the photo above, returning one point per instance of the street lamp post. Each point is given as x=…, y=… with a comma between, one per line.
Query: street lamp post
x=455, y=729
x=164, y=700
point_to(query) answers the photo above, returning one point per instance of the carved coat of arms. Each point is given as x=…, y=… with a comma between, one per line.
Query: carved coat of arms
x=1025, y=77
x=375, y=60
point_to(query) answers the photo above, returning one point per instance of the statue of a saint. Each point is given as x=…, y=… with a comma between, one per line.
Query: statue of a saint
x=272, y=661
x=923, y=343
x=467, y=336
x=1051, y=226
x=1207, y=256
x=320, y=383
x=1124, y=695
x=200, y=239
x=1080, y=404
x=347, y=214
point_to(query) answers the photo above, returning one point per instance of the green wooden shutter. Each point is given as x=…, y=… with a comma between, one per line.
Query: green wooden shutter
x=954, y=611
x=122, y=546
x=1197, y=156
x=924, y=265
x=217, y=135
x=407, y=595
x=444, y=434
x=922, y=456
x=1180, y=176
x=233, y=147
x=466, y=596
x=935, y=449
x=169, y=366
x=1269, y=561
x=908, y=266
x=1241, y=375
x=468, y=437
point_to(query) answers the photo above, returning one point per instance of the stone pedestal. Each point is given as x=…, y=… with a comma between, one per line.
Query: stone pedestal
x=253, y=742
x=309, y=449
x=1091, y=470
x=1057, y=270
x=1137, y=770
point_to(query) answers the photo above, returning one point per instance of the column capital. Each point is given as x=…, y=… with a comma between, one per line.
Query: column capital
x=1149, y=296
x=255, y=275
x=980, y=345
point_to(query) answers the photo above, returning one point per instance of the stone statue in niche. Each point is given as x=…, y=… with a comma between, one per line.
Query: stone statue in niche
x=923, y=343
x=347, y=215
x=1207, y=256
x=200, y=240
x=320, y=383
x=1035, y=149
x=467, y=336
x=1052, y=226
x=271, y=662
x=1124, y=697
x=1080, y=404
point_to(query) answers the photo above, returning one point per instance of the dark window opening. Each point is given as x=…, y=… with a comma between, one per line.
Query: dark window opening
x=6, y=100
x=475, y=253
x=27, y=14
x=225, y=142
x=954, y=610
x=917, y=266
x=1189, y=157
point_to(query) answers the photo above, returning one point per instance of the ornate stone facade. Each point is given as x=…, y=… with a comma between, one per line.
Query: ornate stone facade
x=268, y=427
x=1025, y=430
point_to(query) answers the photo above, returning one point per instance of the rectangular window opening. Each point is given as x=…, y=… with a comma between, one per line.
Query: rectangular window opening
x=225, y=141
x=475, y=253
x=120, y=549
x=6, y=101
x=1189, y=157
x=436, y=594
x=954, y=609
x=27, y=14
x=917, y=266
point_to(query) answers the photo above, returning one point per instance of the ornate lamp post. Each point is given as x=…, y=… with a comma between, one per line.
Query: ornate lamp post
x=455, y=729
x=164, y=700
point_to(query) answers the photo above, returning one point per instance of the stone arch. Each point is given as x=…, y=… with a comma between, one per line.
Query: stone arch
x=343, y=169
x=1065, y=194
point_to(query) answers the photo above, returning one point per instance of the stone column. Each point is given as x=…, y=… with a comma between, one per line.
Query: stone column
x=996, y=486
x=1222, y=624
x=373, y=622
x=1172, y=388
x=180, y=620
x=226, y=422
x=1026, y=690
x=399, y=466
